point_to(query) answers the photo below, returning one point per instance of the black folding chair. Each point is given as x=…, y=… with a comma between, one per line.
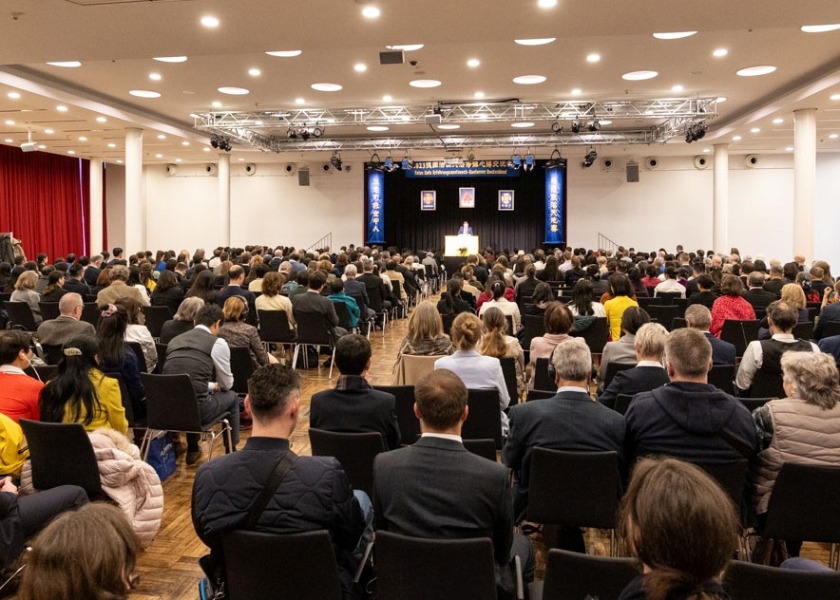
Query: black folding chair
x=747, y=581
x=663, y=314
x=575, y=576
x=483, y=448
x=156, y=316
x=52, y=353
x=485, y=419
x=20, y=313
x=275, y=329
x=723, y=377
x=378, y=308
x=90, y=313
x=804, y=330
x=739, y=333
x=161, y=352
x=49, y=310
x=355, y=452
x=313, y=330
x=138, y=352
x=542, y=379
x=595, y=335
x=539, y=395
x=622, y=403
x=532, y=326
x=242, y=367
x=613, y=368
x=767, y=385
x=509, y=371
x=404, y=404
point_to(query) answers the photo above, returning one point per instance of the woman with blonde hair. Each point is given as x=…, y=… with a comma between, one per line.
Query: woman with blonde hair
x=425, y=333
x=240, y=334
x=495, y=342
x=794, y=296
x=25, y=292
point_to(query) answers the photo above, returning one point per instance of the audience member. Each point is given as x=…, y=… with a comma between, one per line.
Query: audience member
x=508, y=308
x=558, y=323
x=117, y=359
x=337, y=295
x=621, y=300
x=451, y=302
x=698, y=317
x=25, y=292
x=239, y=334
x=55, y=287
x=202, y=287
x=168, y=292
x=183, y=319
x=312, y=302
x=19, y=393
x=138, y=333
x=119, y=288
x=495, y=342
x=425, y=333
x=669, y=284
x=67, y=325
x=756, y=295
x=649, y=372
x=624, y=349
x=236, y=277
x=730, y=305
x=543, y=295
x=704, y=294
x=583, y=301
x=272, y=299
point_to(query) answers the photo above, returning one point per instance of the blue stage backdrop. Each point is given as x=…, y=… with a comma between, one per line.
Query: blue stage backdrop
x=393, y=215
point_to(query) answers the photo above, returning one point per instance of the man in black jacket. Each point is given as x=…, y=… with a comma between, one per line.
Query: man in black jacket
x=314, y=494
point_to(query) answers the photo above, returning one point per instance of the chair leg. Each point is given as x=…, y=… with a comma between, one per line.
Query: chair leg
x=332, y=362
x=295, y=356
x=145, y=443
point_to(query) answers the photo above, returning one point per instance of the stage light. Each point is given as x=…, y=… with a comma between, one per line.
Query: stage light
x=291, y=133
x=593, y=125
x=556, y=127
x=695, y=131
x=515, y=161
x=375, y=162
x=555, y=160
x=335, y=161
x=389, y=164
x=214, y=141
x=575, y=126
x=590, y=157
x=304, y=134
x=317, y=131
x=529, y=162
x=407, y=163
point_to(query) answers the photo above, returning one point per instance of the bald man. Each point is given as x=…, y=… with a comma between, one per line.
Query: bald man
x=67, y=325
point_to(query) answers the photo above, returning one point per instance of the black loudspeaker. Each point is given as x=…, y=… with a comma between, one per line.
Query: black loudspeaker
x=632, y=173
x=303, y=177
x=394, y=57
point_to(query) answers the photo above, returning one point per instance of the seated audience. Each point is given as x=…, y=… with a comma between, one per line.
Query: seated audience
x=704, y=294
x=425, y=333
x=239, y=334
x=67, y=325
x=698, y=317
x=119, y=288
x=19, y=393
x=558, y=323
x=312, y=302
x=414, y=486
x=81, y=393
x=236, y=279
x=621, y=300
x=669, y=284
x=583, y=302
x=354, y=405
x=668, y=506
x=337, y=295
x=25, y=292
x=649, y=372
x=488, y=294
x=451, y=302
x=528, y=284
x=55, y=287
x=117, y=359
x=543, y=295
x=623, y=350
x=272, y=299
x=507, y=307
x=495, y=342
x=75, y=282
x=136, y=332
x=202, y=287
x=730, y=305
x=182, y=321
x=756, y=295
x=689, y=418
x=168, y=292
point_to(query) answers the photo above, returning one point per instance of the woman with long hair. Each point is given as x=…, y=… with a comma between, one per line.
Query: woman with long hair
x=425, y=333
x=146, y=278
x=183, y=320
x=583, y=300
x=497, y=343
x=202, y=287
x=168, y=292
x=731, y=304
x=621, y=292
x=134, y=280
x=135, y=331
x=451, y=302
x=509, y=308
x=543, y=295
x=487, y=294
x=81, y=393
x=240, y=334
x=116, y=358
x=551, y=271
x=55, y=287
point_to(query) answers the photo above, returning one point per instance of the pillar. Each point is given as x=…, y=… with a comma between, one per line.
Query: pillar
x=720, y=211
x=224, y=199
x=804, y=180
x=135, y=226
x=96, y=243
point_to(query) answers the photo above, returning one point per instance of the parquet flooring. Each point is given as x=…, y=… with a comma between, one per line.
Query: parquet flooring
x=169, y=567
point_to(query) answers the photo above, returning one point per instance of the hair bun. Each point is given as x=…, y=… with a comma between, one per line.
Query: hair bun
x=72, y=352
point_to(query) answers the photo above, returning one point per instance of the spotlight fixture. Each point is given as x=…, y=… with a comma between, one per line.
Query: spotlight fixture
x=291, y=134
x=220, y=142
x=304, y=134
x=389, y=164
x=407, y=163
x=695, y=131
x=593, y=125
x=214, y=141
x=555, y=160
x=471, y=156
x=556, y=127
x=575, y=126
x=375, y=162
x=317, y=131
x=515, y=160
x=590, y=157
x=529, y=162
x=335, y=161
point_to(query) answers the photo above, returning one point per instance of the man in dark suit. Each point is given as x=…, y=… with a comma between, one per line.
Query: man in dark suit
x=435, y=488
x=831, y=312
x=648, y=374
x=236, y=277
x=354, y=405
x=311, y=301
x=93, y=270
x=570, y=420
x=697, y=269
x=375, y=282
x=699, y=317
x=465, y=229
x=74, y=282
x=756, y=295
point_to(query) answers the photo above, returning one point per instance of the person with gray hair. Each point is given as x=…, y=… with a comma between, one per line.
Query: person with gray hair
x=756, y=295
x=697, y=316
x=118, y=288
x=67, y=325
x=648, y=374
x=570, y=420
x=356, y=288
x=183, y=320
x=689, y=419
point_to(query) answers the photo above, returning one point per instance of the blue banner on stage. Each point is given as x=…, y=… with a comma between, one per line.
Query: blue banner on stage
x=555, y=199
x=475, y=168
x=375, y=207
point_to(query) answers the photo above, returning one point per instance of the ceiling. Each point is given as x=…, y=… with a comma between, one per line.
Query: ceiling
x=116, y=41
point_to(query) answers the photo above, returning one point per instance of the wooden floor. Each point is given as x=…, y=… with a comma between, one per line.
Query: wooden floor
x=169, y=567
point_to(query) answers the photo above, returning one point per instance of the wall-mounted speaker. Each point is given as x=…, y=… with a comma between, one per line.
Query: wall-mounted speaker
x=250, y=169
x=211, y=169
x=290, y=168
x=651, y=162
x=608, y=164
x=326, y=168
x=632, y=171
x=303, y=177
x=750, y=161
x=171, y=169
x=701, y=162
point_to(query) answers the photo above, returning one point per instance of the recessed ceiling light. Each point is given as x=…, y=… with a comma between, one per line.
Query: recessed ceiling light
x=706, y=150
x=478, y=95
x=67, y=64
x=258, y=123
x=241, y=159
x=185, y=143
x=326, y=87
x=534, y=41
x=677, y=88
x=820, y=28
x=13, y=95
x=673, y=35
x=234, y=91
x=449, y=126
x=101, y=120
x=835, y=97
x=160, y=136
x=210, y=21
x=473, y=63
x=177, y=160
x=9, y=122
x=254, y=72
x=755, y=130
x=61, y=108
x=424, y=83
x=8, y=141
x=529, y=79
x=377, y=128
x=49, y=131
x=522, y=124
x=300, y=101
x=721, y=99
x=789, y=149
x=593, y=58
x=144, y=93
x=576, y=91
x=405, y=47
x=639, y=75
x=119, y=161
x=158, y=155
x=41, y=146
x=371, y=12
x=756, y=71
x=833, y=136
x=778, y=121
x=171, y=59
x=720, y=52
x=82, y=138
x=216, y=104
x=736, y=138
x=546, y=3
x=112, y=145
x=155, y=76
x=605, y=121
x=387, y=98
x=205, y=149
x=71, y=152
x=285, y=53
x=360, y=67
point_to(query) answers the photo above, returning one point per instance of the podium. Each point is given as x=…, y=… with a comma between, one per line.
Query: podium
x=460, y=245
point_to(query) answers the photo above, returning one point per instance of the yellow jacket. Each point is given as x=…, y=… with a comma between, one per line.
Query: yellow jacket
x=111, y=412
x=11, y=440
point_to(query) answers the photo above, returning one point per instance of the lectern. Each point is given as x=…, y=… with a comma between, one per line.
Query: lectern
x=460, y=245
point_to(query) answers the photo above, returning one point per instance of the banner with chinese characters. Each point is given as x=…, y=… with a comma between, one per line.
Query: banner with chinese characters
x=475, y=168
x=375, y=207
x=555, y=200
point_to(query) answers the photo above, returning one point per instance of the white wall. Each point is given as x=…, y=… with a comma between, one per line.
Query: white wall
x=670, y=205
x=114, y=206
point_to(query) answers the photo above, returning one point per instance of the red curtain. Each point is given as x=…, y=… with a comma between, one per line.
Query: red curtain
x=44, y=201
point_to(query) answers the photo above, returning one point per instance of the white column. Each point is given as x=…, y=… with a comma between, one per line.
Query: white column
x=95, y=244
x=804, y=178
x=134, y=212
x=224, y=199
x=720, y=211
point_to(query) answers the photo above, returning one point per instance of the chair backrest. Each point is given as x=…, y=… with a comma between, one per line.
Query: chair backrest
x=138, y=352
x=542, y=379
x=404, y=403
x=679, y=323
x=448, y=319
x=646, y=302
x=509, y=324
x=579, y=489
x=416, y=368
x=309, y=569
x=274, y=327
x=622, y=403
x=723, y=377
x=804, y=330
x=355, y=452
x=90, y=313
x=375, y=298
x=574, y=576
x=767, y=385
x=49, y=310
x=739, y=333
x=313, y=328
x=803, y=505
x=613, y=368
x=681, y=304
x=161, y=353
x=509, y=371
x=418, y=569
x=829, y=328
x=668, y=298
x=43, y=373
x=483, y=448
x=485, y=418
x=538, y=395
x=242, y=367
x=664, y=314
x=156, y=316
x=170, y=402
x=52, y=353
x=731, y=476
x=532, y=326
x=595, y=335
x=747, y=581
x=61, y=454
x=21, y=314
x=343, y=315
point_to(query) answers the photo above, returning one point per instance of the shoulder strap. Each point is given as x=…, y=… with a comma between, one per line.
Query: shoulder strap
x=277, y=475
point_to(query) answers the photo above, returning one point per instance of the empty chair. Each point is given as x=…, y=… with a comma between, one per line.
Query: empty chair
x=355, y=452
x=49, y=310
x=404, y=404
x=739, y=333
x=156, y=316
x=746, y=581
x=313, y=330
x=485, y=418
x=575, y=576
x=309, y=572
x=20, y=313
x=61, y=454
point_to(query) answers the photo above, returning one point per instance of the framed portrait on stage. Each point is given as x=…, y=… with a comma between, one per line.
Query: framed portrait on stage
x=505, y=199
x=428, y=200
x=466, y=197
